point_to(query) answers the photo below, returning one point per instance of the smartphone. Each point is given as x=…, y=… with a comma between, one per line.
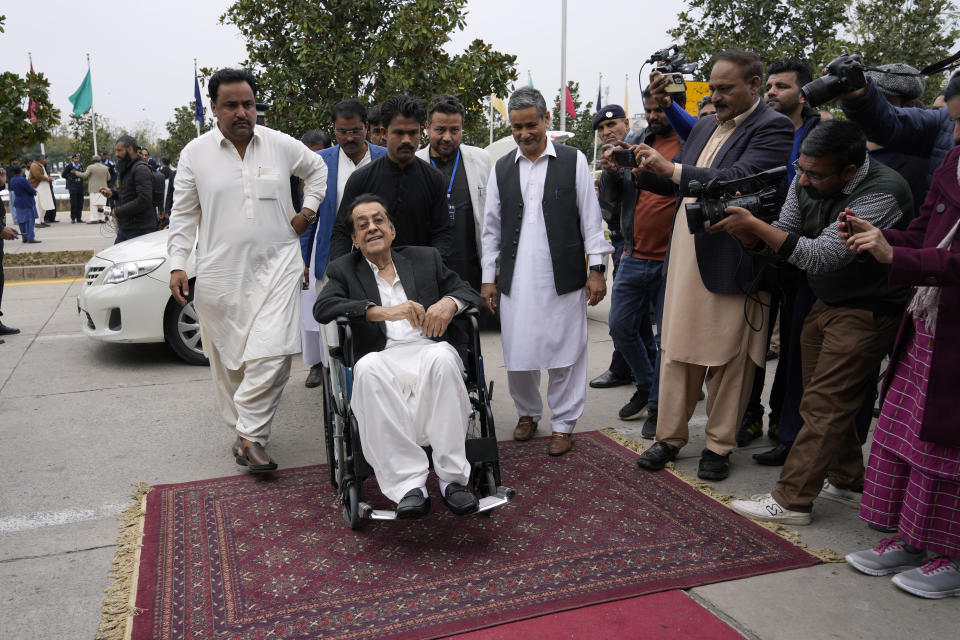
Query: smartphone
x=676, y=83
x=625, y=158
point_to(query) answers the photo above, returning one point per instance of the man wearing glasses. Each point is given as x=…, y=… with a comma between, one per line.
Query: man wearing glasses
x=349, y=154
x=852, y=324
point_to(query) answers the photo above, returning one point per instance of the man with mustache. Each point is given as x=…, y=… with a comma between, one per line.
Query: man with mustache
x=465, y=170
x=351, y=152
x=415, y=192
x=710, y=308
x=646, y=219
x=135, y=214
x=853, y=322
x=542, y=218
x=232, y=201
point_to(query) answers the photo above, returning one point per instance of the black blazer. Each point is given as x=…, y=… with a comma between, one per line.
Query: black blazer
x=351, y=287
x=763, y=141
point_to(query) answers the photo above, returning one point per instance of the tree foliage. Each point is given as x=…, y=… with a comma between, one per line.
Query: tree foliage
x=181, y=129
x=18, y=133
x=81, y=136
x=307, y=56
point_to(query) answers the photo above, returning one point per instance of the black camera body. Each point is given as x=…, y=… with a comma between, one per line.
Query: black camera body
x=715, y=197
x=673, y=61
x=844, y=74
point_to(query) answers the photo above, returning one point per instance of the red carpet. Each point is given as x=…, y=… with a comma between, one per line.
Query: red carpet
x=241, y=558
x=671, y=615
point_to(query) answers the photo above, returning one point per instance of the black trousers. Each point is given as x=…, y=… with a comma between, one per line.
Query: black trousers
x=2, y=225
x=76, y=202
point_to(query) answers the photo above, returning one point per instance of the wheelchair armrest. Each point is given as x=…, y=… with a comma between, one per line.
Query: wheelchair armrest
x=345, y=332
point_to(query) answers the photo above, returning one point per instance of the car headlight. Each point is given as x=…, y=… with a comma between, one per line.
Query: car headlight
x=123, y=271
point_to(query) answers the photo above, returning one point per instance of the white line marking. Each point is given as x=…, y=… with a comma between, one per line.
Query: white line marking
x=27, y=521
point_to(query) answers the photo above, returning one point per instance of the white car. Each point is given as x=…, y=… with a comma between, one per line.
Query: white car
x=126, y=298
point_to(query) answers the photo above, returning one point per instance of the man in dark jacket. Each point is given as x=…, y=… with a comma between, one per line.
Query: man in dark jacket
x=711, y=308
x=75, y=187
x=135, y=213
x=408, y=390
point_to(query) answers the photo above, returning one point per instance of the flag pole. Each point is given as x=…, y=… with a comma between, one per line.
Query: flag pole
x=595, y=138
x=93, y=114
x=491, y=118
x=563, y=69
x=195, y=121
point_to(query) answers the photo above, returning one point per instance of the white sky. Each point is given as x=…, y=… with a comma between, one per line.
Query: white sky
x=137, y=80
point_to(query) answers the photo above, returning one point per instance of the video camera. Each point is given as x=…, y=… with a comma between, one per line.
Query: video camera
x=716, y=196
x=844, y=74
x=673, y=64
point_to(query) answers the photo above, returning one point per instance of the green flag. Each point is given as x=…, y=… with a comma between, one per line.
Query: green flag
x=82, y=98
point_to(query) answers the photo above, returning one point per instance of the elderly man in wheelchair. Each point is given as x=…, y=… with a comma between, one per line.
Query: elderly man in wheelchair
x=408, y=388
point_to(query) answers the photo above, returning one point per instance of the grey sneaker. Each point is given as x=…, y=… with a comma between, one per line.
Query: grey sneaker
x=888, y=557
x=838, y=494
x=938, y=578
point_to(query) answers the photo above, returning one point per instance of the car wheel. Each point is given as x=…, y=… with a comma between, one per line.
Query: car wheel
x=181, y=330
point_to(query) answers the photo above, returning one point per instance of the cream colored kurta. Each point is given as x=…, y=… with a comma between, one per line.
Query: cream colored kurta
x=701, y=327
x=539, y=329
x=249, y=267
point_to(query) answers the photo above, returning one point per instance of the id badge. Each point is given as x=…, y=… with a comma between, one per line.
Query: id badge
x=452, y=210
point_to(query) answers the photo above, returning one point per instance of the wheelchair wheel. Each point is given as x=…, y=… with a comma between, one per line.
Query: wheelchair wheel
x=350, y=508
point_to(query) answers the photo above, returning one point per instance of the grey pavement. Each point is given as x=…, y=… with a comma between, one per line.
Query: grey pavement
x=65, y=236
x=82, y=421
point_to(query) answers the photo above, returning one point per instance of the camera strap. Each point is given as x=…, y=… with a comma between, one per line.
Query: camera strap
x=941, y=65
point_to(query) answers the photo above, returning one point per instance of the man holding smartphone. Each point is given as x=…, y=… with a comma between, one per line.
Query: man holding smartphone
x=646, y=219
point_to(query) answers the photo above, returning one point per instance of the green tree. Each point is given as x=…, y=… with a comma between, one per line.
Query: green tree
x=478, y=133
x=582, y=126
x=18, y=132
x=81, y=136
x=918, y=32
x=181, y=129
x=307, y=56
x=774, y=29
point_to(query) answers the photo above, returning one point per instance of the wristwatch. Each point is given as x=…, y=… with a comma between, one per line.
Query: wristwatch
x=599, y=268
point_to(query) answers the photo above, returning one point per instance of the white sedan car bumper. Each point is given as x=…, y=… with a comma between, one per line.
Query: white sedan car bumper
x=129, y=311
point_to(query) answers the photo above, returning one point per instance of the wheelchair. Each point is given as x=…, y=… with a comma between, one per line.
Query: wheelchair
x=347, y=466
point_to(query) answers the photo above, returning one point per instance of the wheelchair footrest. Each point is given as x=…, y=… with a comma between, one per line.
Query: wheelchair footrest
x=502, y=497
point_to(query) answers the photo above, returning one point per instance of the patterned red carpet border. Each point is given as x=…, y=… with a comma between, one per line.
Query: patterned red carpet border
x=240, y=558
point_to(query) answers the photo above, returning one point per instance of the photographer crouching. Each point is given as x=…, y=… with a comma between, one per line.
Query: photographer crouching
x=851, y=325
x=713, y=320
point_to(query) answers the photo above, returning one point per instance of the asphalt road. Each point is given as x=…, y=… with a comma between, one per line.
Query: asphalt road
x=81, y=421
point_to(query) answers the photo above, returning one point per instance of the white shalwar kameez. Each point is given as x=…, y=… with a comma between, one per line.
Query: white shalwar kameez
x=313, y=350
x=540, y=329
x=408, y=396
x=249, y=269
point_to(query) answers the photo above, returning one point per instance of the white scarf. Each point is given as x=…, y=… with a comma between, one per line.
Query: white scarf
x=926, y=300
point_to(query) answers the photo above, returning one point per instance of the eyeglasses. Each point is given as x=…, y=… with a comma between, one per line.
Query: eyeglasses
x=815, y=178
x=356, y=131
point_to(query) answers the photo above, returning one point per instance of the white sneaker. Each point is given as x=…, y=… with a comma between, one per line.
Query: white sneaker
x=938, y=578
x=889, y=556
x=835, y=493
x=764, y=508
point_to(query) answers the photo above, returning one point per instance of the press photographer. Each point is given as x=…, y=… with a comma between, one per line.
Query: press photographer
x=853, y=320
x=709, y=304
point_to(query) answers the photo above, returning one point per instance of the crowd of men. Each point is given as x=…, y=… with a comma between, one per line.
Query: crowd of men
x=401, y=240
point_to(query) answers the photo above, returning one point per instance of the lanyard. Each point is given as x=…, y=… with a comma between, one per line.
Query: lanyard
x=453, y=175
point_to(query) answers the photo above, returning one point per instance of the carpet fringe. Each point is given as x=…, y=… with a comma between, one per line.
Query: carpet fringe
x=118, y=607
x=826, y=555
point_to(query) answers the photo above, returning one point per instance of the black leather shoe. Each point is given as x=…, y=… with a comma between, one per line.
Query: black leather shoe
x=657, y=456
x=609, y=379
x=649, y=429
x=459, y=499
x=413, y=505
x=774, y=457
x=315, y=377
x=713, y=466
x=7, y=331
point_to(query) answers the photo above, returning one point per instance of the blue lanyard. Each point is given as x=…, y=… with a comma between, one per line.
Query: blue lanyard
x=453, y=175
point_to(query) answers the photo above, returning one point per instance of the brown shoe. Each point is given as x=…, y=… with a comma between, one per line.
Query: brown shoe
x=559, y=444
x=253, y=456
x=525, y=428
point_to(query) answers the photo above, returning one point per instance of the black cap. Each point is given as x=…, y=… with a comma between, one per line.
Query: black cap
x=608, y=112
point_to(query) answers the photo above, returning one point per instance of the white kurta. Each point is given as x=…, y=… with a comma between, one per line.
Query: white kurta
x=541, y=330
x=238, y=211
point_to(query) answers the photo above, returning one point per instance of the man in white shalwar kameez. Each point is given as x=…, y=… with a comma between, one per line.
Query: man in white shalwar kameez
x=542, y=227
x=232, y=197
